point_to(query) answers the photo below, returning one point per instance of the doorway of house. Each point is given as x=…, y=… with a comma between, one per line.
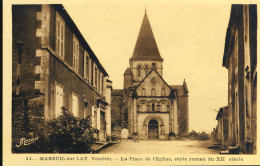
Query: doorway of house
x=153, y=130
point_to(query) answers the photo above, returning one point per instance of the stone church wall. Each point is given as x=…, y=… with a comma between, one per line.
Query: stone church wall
x=183, y=115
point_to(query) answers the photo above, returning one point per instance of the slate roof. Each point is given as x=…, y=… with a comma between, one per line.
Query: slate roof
x=146, y=47
x=117, y=92
x=128, y=71
x=221, y=112
x=179, y=89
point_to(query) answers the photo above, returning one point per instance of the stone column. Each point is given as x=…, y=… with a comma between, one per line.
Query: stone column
x=135, y=116
x=171, y=125
x=145, y=131
x=161, y=133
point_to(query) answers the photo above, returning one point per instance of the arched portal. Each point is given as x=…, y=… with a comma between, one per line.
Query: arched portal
x=153, y=125
x=153, y=129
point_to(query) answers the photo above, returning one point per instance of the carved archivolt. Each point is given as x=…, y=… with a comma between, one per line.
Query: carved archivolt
x=153, y=117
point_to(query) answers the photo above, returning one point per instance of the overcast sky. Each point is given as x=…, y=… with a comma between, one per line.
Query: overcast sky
x=190, y=38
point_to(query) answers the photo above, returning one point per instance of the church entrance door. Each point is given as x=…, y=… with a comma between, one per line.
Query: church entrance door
x=153, y=129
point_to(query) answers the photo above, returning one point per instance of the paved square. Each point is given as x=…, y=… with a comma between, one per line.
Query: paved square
x=160, y=147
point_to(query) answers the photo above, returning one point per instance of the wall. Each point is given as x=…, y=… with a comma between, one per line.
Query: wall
x=27, y=118
x=134, y=64
x=183, y=115
x=59, y=73
x=158, y=85
x=25, y=21
x=116, y=106
x=28, y=105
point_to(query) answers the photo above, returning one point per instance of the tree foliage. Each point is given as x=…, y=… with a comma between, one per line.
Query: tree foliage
x=199, y=135
x=68, y=134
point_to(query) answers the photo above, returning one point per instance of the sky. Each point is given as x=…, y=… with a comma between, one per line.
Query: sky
x=190, y=39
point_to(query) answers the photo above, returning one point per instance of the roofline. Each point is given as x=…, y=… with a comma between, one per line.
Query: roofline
x=220, y=112
x=145, y=59
x=74, y=29
x=148, y=75
x=235, y=9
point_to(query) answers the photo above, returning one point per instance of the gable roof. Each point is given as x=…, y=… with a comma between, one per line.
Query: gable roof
x=179, y=89
x=148, y=75
x=146, y=47
x=221, y=112
x=128, y=71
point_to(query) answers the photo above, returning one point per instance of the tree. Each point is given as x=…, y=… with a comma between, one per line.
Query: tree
x=203, y=136
x=193, y=133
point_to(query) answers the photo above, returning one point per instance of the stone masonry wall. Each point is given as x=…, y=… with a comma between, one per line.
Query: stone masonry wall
x=28, y=118
x=183, y=112
x=25, y=21
x=28, y=104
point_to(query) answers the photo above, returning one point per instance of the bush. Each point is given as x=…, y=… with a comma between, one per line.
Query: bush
x=68, y=134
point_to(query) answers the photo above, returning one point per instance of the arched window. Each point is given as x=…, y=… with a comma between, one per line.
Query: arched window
x=143, y=92
x=153, y=92
x=163, y=92
x=154, y=66
x=146, y=69
x=153, y=107
x=139, y=71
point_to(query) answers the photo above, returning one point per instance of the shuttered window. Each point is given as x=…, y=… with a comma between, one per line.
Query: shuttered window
x=60, y=35
x=58, y=100
x=86, y=65
x=75, y=105
x=75, y=64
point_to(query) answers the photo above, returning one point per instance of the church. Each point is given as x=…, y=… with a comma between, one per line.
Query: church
x=148, y=107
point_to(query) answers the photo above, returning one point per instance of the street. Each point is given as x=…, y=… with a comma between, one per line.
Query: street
x=160, y=147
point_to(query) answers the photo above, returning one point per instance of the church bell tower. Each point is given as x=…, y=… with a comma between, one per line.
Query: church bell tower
x=146, y=55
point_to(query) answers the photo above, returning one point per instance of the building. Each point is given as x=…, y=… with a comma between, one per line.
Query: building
x=53, y=66
x=240, y=58
x=222, y=127
x=147, y=106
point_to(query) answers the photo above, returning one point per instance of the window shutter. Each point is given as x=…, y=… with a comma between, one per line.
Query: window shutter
x=62, y=41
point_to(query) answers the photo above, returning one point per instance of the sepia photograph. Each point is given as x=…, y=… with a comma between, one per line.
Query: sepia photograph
x=140, y=78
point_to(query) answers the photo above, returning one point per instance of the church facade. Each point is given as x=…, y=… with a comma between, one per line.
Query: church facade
x=147, y=106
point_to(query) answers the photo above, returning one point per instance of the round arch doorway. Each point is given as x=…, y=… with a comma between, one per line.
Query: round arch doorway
x=153, y=129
